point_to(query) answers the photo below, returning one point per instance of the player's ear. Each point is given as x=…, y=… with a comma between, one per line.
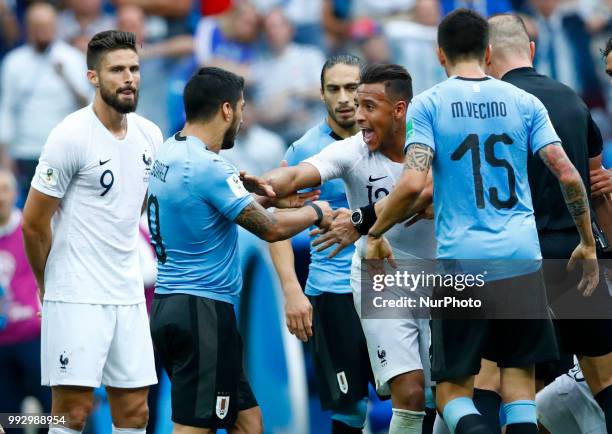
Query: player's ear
x=227, y=111
x=532, y=50
x=488, y=55
x=400, y=109
x=441, y=56
x=92, y=76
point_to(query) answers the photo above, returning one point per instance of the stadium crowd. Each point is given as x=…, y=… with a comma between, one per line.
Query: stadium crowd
x=278, y=46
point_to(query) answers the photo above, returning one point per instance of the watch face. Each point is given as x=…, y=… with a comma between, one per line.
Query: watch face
x=356, y=217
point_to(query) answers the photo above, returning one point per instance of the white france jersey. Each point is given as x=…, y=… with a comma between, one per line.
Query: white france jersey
x=369, y=177
x=102, y=182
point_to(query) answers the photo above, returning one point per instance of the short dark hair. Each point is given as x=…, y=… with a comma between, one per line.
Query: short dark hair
x=106, y=41
x=344, y=59
x=607, y=50
x=397, y=81
x=463, y=34
x=208, y=89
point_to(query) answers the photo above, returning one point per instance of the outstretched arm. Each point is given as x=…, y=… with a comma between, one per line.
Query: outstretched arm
x=287, y=180
x=280, y=226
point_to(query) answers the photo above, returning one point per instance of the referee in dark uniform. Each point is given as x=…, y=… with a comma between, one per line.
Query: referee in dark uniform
x=590, y=339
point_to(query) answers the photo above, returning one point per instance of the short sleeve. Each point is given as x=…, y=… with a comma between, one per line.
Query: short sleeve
x=221, y=187
x=292, y=156
x=334, y=160
x=59, y=162
x=594, y=139
x=542, y=131
x=419, y=122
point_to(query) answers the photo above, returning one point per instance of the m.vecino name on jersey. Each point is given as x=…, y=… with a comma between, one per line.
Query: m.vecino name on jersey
x=483, y=110
x=160, y=170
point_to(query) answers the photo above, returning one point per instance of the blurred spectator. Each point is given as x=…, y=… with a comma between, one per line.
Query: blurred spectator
x=563, y=50
x=177, y=14
x=343, y=20
x=380, y=8
x=596, y=13
x=287, y=81
x=9, y=29
x=483, y=7
x=256, y=149
x=228, y=41
x=371, y=41
x=414, y=44
x=81, y=20
x=155, y=63
x=19, y=305
x=40, y=83
x=305, y=15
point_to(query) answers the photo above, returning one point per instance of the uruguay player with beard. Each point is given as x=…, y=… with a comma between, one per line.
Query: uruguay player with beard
x=196, y=200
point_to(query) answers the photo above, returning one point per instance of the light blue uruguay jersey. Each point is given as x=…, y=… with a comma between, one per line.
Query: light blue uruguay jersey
x=194, y=197
x=481, y=131
x=325, y=275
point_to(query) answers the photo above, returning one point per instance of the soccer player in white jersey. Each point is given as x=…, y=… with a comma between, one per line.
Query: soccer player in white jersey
x=369, y=163
x=81, y=235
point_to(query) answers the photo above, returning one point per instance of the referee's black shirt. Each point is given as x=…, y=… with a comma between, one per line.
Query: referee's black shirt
x=580, y=138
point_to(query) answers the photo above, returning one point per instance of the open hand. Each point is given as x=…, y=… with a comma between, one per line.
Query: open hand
x=590, y=269
x=341, y=232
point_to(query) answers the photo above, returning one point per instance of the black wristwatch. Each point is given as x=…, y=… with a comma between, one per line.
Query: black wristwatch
x=357, y=218
x=364, y=218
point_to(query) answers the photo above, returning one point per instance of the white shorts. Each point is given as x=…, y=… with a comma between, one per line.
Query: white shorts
x=566, y=406
x=395, y=346
x=92, y=344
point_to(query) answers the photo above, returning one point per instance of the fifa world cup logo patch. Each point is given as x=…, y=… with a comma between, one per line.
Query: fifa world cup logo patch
x=342, y=383
x=222, y=407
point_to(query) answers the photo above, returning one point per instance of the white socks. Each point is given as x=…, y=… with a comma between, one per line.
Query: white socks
x=129, y=430
x=59, y=429
x=406, y=421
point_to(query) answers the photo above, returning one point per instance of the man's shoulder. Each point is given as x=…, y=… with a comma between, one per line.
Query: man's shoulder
x=16, y=55
x=313, y=140
x=75, y=124
x=66, y=50
x=147, y=128
x=542, y=86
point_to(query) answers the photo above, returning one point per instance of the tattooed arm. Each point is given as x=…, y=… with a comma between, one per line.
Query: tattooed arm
x=279, y=226
x=407, y=190
x=572, y=187
x=576, y=199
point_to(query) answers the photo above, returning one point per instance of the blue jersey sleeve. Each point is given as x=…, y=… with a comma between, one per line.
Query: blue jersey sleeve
x=292, y=156
x=220, y=186
x=542, y=131
x=420, y=122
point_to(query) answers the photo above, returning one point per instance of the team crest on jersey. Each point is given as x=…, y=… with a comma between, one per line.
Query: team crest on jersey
x=48, y=175
x=64, y=362
x=342, y=382
x=222, y=407
x=147, y=160
x=382, y=356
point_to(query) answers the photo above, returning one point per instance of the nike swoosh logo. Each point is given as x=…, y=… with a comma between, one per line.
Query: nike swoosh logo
x=102, y=163
x=375, y=179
